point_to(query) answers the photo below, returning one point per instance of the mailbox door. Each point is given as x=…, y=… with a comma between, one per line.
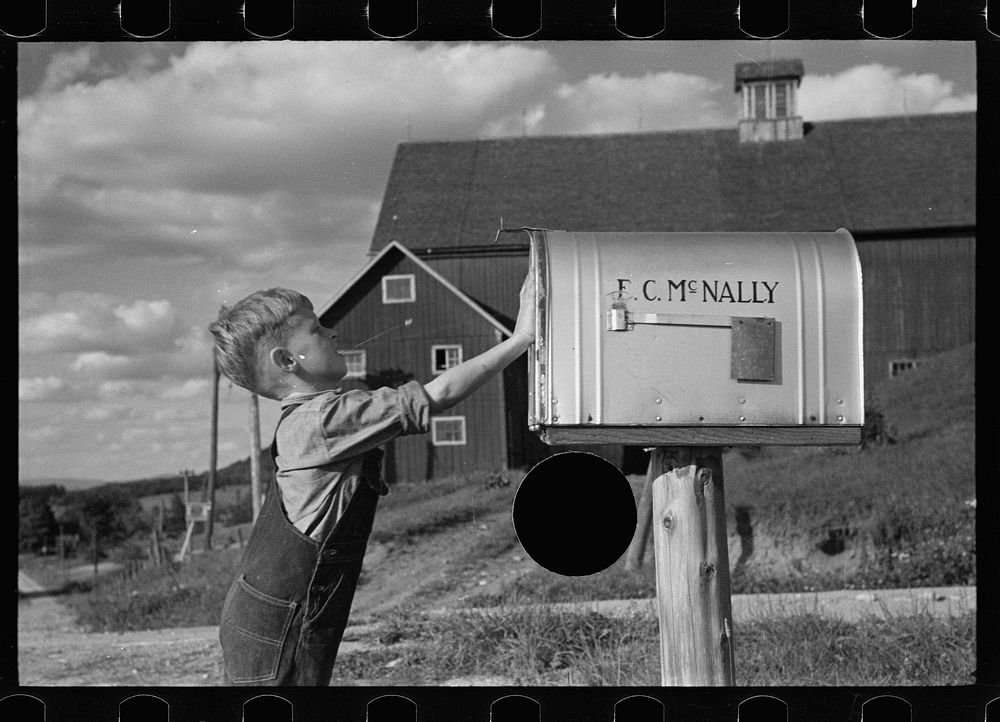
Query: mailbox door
x=697, y=329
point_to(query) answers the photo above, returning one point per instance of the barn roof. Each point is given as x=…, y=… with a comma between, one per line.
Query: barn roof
x=867, y=175
x=397, y=248
x=768, y=70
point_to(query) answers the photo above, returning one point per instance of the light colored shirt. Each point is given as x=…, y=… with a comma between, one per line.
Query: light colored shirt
x=321, y=445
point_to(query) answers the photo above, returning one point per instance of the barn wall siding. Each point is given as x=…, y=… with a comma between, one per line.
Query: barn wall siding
x=492, y=281
x=919, y=299
x=438, y=317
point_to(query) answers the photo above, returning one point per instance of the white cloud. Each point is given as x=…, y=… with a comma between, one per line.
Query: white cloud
x=181, y=412
x=65, y=67
x=191, y=355
x=875, y=90
x=143, y=315
x=39, y=434
x=110, y=340
x=39, y=388
x=612, y=103
x=97, y=322
x=192, y=388
x=101, y=363
x=247, y=144
x=118, y=388
x=138, y=433
x=105, y=412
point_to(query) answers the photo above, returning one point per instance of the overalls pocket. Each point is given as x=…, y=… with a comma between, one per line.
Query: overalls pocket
x=253, y=633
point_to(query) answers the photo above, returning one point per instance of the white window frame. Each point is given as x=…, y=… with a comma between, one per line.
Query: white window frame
x=445, y=347
x=783, y=87
x=763, y=97
x=363, y=364
x=413, y=288
x=434, y=431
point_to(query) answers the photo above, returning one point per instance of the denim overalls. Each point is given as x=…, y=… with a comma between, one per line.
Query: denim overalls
x=285, y=614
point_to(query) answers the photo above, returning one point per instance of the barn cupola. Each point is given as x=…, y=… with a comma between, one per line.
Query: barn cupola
x=768, y=107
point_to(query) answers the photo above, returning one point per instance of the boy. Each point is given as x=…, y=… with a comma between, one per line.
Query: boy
x=285, y=614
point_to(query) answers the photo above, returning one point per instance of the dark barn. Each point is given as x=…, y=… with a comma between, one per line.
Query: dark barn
x=904, y=186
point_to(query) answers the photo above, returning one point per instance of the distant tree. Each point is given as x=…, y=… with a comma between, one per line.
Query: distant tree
x=239, y=512
x=175, y=519
x=46, y=491
x=36, y=527
x=106, y=515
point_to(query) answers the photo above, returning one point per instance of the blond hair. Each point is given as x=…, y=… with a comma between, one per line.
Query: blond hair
x=247, y=330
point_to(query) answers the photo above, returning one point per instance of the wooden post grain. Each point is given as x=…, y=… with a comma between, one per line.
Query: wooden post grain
x=644, y=515
x=692, y=566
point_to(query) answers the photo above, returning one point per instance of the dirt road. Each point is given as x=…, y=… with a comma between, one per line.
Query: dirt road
x=52, y=651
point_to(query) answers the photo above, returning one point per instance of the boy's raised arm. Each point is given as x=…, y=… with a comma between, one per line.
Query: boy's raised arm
x=460, y=381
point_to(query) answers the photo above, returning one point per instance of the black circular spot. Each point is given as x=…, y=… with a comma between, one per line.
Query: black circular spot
x=574, y=513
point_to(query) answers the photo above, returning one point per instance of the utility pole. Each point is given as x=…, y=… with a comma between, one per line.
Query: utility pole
x=213, y=454
x=255, y=453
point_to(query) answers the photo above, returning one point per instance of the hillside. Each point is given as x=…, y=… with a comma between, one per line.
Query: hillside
x=808, y=518
x=67, y=483
x=800, y=518
x=895, y=516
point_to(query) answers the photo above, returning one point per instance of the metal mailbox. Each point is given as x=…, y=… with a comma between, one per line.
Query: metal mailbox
x=696, y=338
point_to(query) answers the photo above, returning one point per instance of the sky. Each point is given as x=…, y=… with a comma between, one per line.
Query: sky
x=158, y=181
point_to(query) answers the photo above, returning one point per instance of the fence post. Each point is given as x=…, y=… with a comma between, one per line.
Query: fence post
x=692, y=567
x=209, y=493
x=155, y=540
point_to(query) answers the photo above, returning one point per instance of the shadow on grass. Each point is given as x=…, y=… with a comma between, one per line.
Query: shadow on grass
x=68, y=588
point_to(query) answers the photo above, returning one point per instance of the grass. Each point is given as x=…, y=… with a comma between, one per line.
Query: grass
x=176, y=595
x=808, y=649
x=412, y=510
x=542, y=646
x=904, y=508
x=46, y=570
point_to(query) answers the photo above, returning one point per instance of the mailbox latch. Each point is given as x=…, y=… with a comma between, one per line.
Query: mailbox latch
x=753, y=339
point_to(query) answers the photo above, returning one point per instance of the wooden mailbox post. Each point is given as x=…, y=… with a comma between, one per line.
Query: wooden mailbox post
x=688, y=343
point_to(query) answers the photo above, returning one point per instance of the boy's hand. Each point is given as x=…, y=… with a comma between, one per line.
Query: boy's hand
x=455, y=384
x=526, y=315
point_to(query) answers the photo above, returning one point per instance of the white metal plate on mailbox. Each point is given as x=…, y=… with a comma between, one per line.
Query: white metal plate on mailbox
x=674, y=358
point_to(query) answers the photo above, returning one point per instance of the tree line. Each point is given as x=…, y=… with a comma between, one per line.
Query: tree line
x=99, y=518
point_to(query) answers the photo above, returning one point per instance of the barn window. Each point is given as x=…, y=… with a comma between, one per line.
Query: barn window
x=898, y=366
x=781, y=100
x=357, y=363
x=445, y=356
x=399, y=289
x=448, y=431
x=760, y=101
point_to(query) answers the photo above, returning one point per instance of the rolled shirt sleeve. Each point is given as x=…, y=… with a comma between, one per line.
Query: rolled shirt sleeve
x=356, y=421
